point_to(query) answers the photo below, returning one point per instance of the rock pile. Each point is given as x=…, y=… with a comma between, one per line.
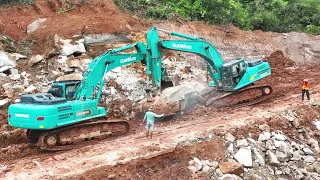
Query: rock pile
x=272, y=155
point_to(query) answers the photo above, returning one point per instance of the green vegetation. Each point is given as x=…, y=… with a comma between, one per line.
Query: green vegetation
x=7, y=2
x=266, y=15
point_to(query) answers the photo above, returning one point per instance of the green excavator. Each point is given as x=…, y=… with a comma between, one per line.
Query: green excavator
x=68, y=114
x=231, y=83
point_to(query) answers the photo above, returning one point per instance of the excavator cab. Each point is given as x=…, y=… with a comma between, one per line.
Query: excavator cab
x=232, y=72
x=64, y=89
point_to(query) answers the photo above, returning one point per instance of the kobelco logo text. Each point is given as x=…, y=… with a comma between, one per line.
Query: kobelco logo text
x=183, y=46
x=129, y=59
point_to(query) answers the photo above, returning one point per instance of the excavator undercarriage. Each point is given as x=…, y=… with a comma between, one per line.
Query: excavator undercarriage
x=69, y=137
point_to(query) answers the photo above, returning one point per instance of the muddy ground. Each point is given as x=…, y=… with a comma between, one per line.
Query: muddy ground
x=196, y=134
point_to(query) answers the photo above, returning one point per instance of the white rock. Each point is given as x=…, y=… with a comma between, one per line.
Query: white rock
x=30, y=89
x=206, y=169
x=229, y=137
x=242, y=143
x=317, y=123
x=307, y=151
x=244, y=157
x=296, y=156
x=230, y=148
x=6, y=59
x=267, y=135
x=314, y=144
x=15, y=77
x=3, y=102
x=17, y=56
x=35, y=25
x=198, y=163
x=5, y=68
x=193, y=169
x=218, y=172
x=273, y=158
x=230, y=177
x=259, y=157
x=280, y=137
x=35, y=59
x=68, y=46
x=113, y=91
x=110, y=76
x=309, y=159
x=62, y=59
x=262, y=137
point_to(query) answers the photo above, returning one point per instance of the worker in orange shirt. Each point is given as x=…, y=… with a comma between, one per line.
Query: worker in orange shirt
x=305, y=89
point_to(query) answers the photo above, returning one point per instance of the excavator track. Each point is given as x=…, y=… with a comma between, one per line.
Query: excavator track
x=244, y=97
x=70, y=137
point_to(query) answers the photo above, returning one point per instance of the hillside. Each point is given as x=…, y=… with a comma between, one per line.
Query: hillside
x=280, y=136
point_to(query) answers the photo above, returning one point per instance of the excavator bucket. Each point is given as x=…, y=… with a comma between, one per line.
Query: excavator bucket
x=169, y=81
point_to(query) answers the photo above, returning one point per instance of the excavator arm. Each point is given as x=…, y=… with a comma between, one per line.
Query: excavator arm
x=229, y=76
x=104, y=63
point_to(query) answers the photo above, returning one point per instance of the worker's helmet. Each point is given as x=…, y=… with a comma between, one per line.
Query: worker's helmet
x=150, y=108
x=306, y=80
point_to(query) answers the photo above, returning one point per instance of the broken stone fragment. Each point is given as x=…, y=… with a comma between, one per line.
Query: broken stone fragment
x=30, y=89
x=244, y=156
x=3, y=102
x=273, y=158
x=35, y=59
x=309, y=159
x=6, y=59
x=308, y=151
x=280, y=137
x=264, y=127
x=35, y=25
x=18, y=89
x=231, y=168
x=259, y=157
x=242, y=143
x=229, y=137
x=17, y=56
x=230, y=177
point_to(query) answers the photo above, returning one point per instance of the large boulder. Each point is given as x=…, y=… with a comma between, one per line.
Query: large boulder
x=177, y=93
x=231, y=168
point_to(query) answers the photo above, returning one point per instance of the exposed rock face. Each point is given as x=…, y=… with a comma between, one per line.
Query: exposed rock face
x=68, y=46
